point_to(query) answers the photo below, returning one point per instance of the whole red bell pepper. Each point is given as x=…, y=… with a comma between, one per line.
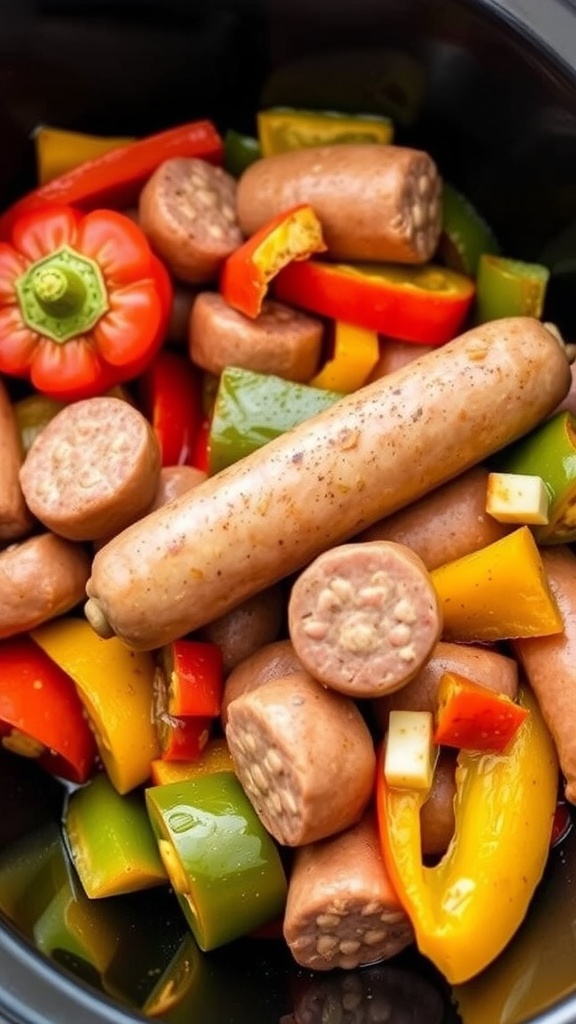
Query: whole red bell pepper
x=41, y=714
x=116, y=178
x=170, y=393
x=84, y=302
x=421, y=304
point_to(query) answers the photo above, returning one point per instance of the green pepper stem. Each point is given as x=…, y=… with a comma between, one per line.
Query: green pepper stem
x=58, y=290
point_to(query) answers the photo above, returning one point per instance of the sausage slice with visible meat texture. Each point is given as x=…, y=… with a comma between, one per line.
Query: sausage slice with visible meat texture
x=304, y=755
x=40, y=578
x=280, y=340
x=93, y=470
x=375, y=202
x=341, y=908
x=364, y=618
x=187, y=210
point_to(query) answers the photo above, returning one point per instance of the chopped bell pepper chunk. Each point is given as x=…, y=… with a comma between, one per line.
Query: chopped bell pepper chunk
x=41, y=714
x=497, y=593
x=473, y=717
x=253, y=408
x=508, y=287
x=281, y=129
x=116, y=687
x=465, y=235
x=170, y=393
x=293, y=235
x=59, y=151
x=181, y=737
x=215, y=757
x=425, y=305
x=468, y=906
x=191, y=675
x=549, y=452
x=239, y=152
x=224, y=867
x=111, y=841
x=355, y=354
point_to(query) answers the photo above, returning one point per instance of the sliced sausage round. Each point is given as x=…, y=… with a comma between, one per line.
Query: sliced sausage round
x=272, y=661
x=40, y=578
x=280, y=340
x=341, y=908
x=364, y=618
x=187, y=210
x=93, y=470
x=304, y=755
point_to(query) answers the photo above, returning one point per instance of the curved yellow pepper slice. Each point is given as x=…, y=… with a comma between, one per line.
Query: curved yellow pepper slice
x=116, y=687
x=467, y=907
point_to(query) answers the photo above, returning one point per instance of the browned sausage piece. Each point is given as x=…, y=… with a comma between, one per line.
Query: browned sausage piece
x=15, y=518
x=40, y=578
x=280, y=340
x=479, y=664
x=92, y=470
x=375, y=202
x=272, y=661
x=182, y=302
x=369, y=454
x=449, y=523
x=341, y=908
x=394, y=354
x=304, y=756
x=187, y=210
x=550, y=663
x=245, y=629
x=364, y=618
x=437, y=821
x=174, y=481
x=381, y=993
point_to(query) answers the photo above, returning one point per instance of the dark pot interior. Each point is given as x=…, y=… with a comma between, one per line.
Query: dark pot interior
x=488, y=88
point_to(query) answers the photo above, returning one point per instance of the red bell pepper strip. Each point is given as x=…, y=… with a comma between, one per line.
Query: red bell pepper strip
x=41, y=714
x=473, y=717
x=293, y=235
x=116, y=178
x=170, y=393
x=192, y=674
x=427, y=305
x=182, y=738
x=84, y=303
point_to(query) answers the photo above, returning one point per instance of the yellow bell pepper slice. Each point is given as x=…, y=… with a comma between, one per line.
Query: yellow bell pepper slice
x=59, y=151
x=115, y=685
x=467, y=907
x=281, y=129
x=497, y=593
x=355, y=354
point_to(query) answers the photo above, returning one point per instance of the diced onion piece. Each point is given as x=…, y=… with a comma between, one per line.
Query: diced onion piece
x=410, y=750
x=517, y=498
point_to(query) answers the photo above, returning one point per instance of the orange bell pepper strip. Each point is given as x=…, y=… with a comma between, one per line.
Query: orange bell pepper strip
x=473, y=717
x=41, y=714
x=293, y=235
x=84, y=302
x=215, y=757
x=426, y=305
x=115, y=179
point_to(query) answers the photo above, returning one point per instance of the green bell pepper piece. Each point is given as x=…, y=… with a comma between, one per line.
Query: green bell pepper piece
x=239, y=152
x=33, y=869
x=253, y=408
x=224, y=866
x=465, y=235
x=507, y=287
x=549, y=452
x=111, y=841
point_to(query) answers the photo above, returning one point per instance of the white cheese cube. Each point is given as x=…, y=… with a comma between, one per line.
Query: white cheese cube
x=517, y=498
x=410, y=750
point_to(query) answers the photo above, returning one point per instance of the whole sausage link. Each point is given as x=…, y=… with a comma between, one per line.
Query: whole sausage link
x=371, y=453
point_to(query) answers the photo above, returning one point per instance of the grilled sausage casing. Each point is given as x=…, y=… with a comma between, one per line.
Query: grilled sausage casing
x=373, y=452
